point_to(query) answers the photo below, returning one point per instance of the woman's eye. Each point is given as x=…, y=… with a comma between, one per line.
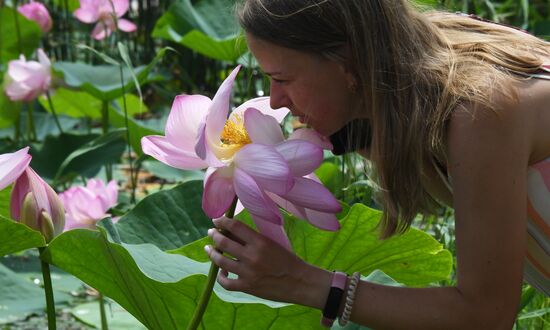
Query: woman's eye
x=278, y=81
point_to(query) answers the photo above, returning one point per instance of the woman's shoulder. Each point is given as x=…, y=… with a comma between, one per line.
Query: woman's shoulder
x=524, y=114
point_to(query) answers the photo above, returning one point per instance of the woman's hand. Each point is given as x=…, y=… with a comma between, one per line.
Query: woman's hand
x=264, y=268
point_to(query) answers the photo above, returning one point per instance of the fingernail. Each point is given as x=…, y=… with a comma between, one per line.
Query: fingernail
x=210, y=232
x=207, y=249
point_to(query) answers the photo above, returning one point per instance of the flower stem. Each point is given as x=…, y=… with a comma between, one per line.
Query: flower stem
x=50, y=305
x=17, y=28
x=130, y=160
x=30, y=129
x=105, y=126
x=104, y=324
x=56, y=119
x=207, y=291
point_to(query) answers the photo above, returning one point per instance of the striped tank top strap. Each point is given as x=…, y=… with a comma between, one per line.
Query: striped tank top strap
x=537, y=262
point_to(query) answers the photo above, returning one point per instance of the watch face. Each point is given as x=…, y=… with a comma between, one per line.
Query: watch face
x=355, y=135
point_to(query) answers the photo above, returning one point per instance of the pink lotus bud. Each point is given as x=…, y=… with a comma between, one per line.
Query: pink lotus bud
x=36, y=11
x=35, y=204
x=26, y=80
x=84, y=206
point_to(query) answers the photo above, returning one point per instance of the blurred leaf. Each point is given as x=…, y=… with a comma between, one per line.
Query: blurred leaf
x=526, y=296
x=106, y=58
x=171, y=174
x=91, y=157
x=134, y=105
x=137, y=129
x=430, y=3
x=44, y=124
x=535, y=313
x=27, y=265
x=205, y=26
x=123, y=51
x=103, y=81
x=75, y=104
x=29, y=31
x=48, y=156
x=73, y=4
x=9, y=111
x=331, y=177
x=17, y=237
x=20, y=297
x=5, y=201
x=117, y=317
x=542, y=29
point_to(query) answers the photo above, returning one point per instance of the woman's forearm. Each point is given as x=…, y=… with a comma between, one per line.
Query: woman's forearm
x=386, y=307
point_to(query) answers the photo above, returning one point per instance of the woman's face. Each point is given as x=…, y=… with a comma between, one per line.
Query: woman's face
x=315, y=89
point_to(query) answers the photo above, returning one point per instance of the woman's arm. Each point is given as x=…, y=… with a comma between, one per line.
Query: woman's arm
x=488, y=160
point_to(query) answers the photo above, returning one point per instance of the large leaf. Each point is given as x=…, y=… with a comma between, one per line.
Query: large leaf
x=206, y=26
x=169, y=218
x=413, y=258
x=91, y=157
x=27, y=40
x=15, y=237
x=160, y=289
x=104, y=81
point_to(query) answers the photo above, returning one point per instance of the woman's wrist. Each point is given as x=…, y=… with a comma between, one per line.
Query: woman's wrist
x=312, y=286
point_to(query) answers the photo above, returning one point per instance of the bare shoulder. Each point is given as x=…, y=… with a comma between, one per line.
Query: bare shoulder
x=520, y=123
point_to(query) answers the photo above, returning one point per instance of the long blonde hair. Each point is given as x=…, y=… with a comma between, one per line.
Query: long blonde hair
x=413, y=68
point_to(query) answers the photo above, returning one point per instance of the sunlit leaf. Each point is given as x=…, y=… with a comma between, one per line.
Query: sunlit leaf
x=205, y=26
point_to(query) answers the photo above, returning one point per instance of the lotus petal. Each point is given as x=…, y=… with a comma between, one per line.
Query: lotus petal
x=266, y=166
x=262, y=128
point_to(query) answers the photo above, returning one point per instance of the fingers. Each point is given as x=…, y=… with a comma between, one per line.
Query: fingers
x=227, y=283
x=225, y=243
x=238, y=229
x=222, y=261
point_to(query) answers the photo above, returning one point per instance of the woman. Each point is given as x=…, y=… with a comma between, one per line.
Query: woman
x=440, y=95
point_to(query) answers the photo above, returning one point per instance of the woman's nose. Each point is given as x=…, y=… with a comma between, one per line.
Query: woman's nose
x=278, y=97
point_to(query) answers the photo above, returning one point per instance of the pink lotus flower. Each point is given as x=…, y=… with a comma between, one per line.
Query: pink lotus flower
x=107, y=13
x=84, y=206
x=35, y=204
x=12, y=165
x=247, y=156
x=26, y=80
x=36, y=11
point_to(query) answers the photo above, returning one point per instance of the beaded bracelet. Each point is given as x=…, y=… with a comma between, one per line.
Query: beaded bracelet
x=330, y=311
x=350, y=298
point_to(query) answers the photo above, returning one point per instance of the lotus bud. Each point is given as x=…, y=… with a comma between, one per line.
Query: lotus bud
x=35, y=204
x=36, y=11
